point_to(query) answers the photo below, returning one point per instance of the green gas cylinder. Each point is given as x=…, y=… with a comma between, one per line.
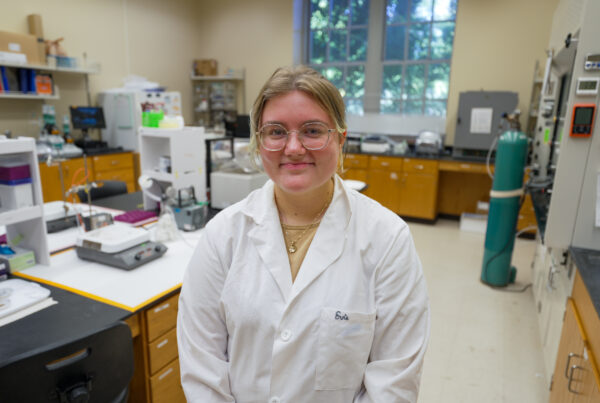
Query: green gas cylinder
x=503, y=213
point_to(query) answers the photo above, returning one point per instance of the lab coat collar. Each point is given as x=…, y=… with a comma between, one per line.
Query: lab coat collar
x=325, y=248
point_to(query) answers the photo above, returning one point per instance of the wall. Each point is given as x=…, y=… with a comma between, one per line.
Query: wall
x=150, y=38
x=496, y=46
x=255, y=35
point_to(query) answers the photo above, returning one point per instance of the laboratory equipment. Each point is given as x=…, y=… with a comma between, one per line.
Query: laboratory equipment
x=136, y=216
x=582, y=122
x=190, y=215
x=227, y=188
x=59, y=215
x=428, y=142
x=479, y=117
x=505, y=202
x=119, y=245
x=123, y=112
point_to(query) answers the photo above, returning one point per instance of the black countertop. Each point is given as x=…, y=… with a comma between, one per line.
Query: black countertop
x=442, y=156
x=588, y=265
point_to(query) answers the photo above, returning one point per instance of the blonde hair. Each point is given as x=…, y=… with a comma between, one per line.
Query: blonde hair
x=309, y=81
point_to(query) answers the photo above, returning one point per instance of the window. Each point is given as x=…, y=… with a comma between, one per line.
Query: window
x=386, y=56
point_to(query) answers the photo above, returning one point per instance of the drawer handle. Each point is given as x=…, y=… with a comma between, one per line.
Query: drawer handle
x=571, y=355
x=465, y=166
x=162, y=343
x=573, y=368
x=161, y=308
x=419, y=167
x=164, y=374
x=385, y=164
x=114, y=162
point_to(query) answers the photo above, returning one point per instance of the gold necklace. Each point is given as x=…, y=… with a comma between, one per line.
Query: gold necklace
x=292, y=247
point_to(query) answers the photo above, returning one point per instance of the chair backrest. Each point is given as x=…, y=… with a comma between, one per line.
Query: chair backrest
x=106, y=189
x=93, y=368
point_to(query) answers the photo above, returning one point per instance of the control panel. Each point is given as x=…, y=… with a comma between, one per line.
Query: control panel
x=592, y=62
x=582, y=122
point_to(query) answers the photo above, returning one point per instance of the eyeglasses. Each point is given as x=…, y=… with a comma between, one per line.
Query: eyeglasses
x=312, y=136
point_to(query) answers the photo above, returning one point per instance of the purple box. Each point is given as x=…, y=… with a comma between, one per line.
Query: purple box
x=14, y=172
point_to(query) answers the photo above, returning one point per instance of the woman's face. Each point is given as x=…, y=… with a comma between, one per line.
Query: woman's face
x=294, y=168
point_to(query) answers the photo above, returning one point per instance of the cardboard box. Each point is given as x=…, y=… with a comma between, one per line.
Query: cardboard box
x=206, y=67
x=20, y=43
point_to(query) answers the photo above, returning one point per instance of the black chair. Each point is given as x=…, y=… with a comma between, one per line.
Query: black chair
x=93, y=368
x=105, y=189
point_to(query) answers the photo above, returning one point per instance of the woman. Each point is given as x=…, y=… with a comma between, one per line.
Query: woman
x=305, y=291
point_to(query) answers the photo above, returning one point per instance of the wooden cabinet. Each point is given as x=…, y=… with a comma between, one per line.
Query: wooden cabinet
x=102, y=167
x=115, y=167
x=355, y=167
x=461, y=186
x=576, y=377
x=418, y=193
x=383, y=178
x=156, y=378
x=72, y=169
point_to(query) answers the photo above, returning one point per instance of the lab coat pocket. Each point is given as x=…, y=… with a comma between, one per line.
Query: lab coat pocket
x=343, y=348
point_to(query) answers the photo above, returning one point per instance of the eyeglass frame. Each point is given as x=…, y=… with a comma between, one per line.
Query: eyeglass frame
x=287, y=134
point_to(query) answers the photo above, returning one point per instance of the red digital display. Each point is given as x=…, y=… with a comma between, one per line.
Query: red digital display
x=582, y=121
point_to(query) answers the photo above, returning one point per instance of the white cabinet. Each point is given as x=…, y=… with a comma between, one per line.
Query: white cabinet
x=186, y=150
x=26, y=223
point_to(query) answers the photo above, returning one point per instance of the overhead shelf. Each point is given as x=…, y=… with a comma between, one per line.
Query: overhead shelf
x=76, y=70
x=218, y=78
x=20, y=95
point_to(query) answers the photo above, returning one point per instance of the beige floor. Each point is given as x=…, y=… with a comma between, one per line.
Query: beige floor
x=485, y=344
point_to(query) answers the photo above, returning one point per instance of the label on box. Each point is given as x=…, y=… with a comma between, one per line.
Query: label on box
x=15, y=47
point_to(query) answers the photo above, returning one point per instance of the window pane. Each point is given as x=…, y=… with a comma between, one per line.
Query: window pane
x=339, y=14
x=435, y=108
x=396, y=11
x=441, y=44
x=336, y=76
x=360, y=12
x=392, y=81
x=318, y=47
x=421, y=10
x=389, y=106
x=418, y=41
x=337, y=46
x=319, y=10
x=394, y=42
x=358, y=45
x=415, y=80
x=437, y=82
x=444, y=10
x=354, y=106
x=413, y=108
x=355, y=82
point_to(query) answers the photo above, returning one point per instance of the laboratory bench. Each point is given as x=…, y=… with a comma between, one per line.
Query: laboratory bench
x=425, y=186
x=576, y=375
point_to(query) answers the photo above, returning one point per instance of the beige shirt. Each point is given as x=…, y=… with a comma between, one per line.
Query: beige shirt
x=291, y=233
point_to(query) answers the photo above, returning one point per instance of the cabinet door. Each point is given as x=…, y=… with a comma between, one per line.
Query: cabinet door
x=418, y=196
x=384, y=186
x=74, y=172
x=50, y=178
x=570, y=353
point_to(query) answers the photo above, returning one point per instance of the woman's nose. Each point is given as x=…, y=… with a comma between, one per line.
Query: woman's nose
x=293, y=145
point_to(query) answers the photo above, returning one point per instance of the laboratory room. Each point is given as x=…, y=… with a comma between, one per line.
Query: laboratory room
x=300, y=201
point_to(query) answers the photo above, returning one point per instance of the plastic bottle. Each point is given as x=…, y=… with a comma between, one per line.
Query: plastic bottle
x=67, y=129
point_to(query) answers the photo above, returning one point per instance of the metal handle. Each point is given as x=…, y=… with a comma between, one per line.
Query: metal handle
x=385, y=164
x=465, y=166
x=573, y=368
x=114, y=162
x=419, y=167
x=571, y=355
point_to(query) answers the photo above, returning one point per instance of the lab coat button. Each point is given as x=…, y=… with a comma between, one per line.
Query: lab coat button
x=286, y=335
x=274, y=399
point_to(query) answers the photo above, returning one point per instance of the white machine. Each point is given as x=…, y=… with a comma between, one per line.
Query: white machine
x=119, y=245
x=59, y=215
x=123, y=113
x=227, y=188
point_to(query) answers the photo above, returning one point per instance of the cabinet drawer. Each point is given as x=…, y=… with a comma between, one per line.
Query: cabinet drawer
x=387, y=163
x=420, y=166
x=457, y=166
x=162, y=350
x=161, y=317
x=125, y=175
x=356, y=161
x=112, y=161
x=165, y=386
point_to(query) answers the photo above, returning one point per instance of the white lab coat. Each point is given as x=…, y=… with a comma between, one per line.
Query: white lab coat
x=352, y=327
